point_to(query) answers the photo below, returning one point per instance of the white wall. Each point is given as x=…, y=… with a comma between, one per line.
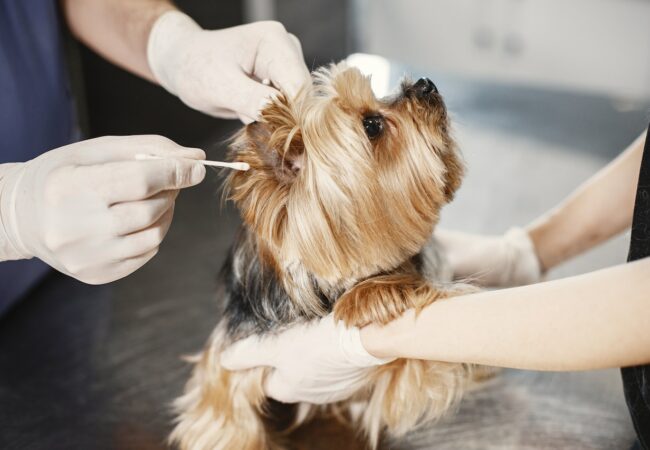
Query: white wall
x=590, y=45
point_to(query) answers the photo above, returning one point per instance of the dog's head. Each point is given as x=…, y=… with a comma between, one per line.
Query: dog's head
x=342, y=182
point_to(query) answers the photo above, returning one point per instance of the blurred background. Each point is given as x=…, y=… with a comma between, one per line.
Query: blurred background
x=543, y=93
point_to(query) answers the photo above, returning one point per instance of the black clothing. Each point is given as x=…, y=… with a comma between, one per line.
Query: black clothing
x=636, y=380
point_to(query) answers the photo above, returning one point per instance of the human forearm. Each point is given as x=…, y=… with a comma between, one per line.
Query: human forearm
x=116, y=29
x=598, y=210
x=585, y=322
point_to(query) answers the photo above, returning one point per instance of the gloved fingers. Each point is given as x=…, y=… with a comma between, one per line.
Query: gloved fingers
x=223, y=113
x=114, y=271
x=296, y=42
x=162, y=146
x=245, y=119
x=278, y=388
x=506, y=260
x=126, y=181
x=247, y=353
x=279, y=58
x=130, y=217
x=128, y=266
x=252, y=99
x=466, y=253
x=124, y=148
x=144, y=241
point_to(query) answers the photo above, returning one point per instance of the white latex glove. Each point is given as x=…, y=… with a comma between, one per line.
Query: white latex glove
x=317, y=362
x=499, y=261
x=219, y=72
x=90, y=210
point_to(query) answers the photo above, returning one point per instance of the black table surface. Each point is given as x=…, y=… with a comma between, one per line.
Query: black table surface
x=96, y=366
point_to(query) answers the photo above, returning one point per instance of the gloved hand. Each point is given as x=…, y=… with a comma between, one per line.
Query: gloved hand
x=317, y=362
x=498, y=261
x=92, y=211
x=219, y=72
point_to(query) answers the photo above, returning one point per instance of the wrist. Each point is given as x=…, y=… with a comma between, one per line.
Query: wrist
x=373, y=341
x=356, y=352
x=525, y=264
x=386, y=341
x=11, y=245
x=162, y=45
x=543, y=238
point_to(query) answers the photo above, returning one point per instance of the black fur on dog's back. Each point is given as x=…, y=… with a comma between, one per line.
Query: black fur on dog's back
x=255, y=300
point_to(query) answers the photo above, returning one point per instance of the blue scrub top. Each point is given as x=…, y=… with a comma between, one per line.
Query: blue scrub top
x=36, y=107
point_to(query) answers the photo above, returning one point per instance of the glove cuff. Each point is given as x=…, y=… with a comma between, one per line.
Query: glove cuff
x=11, y=246
x=524, y=266
x=166, y=31
x=355, y=351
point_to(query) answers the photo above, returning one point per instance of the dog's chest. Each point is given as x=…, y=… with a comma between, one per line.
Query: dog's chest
x=257, y=302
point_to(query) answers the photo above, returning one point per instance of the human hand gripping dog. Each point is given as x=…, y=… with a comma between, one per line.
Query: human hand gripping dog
x=318, y=362
x=219, y=72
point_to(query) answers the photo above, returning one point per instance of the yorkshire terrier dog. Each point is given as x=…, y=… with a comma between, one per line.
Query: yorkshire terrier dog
x=339, y=206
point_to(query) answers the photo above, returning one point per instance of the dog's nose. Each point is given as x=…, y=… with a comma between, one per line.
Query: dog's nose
x=424, y=87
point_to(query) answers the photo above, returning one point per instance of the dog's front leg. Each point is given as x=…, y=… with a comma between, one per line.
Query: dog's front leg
x=383, y=298
x=404, y=392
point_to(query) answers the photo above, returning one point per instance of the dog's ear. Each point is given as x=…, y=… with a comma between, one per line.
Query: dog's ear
x=274, y=144
x=274, y=150
x=280, y=150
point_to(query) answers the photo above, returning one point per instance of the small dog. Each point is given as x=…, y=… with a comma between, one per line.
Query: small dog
x=339, y=207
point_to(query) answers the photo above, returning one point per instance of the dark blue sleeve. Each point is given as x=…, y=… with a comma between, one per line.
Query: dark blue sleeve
x=36, y=106
x=36, y=111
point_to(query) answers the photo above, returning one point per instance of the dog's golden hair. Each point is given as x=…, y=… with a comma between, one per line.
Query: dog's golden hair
x=340, y=201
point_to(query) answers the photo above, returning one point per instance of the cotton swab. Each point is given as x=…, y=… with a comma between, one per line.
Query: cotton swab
x=233, y=165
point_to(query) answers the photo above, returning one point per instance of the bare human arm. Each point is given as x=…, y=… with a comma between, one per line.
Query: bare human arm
x=598, y=210
x=590, y=321
x=117, y=29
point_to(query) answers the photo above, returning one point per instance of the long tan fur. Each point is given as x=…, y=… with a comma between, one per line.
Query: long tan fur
x=221, y=410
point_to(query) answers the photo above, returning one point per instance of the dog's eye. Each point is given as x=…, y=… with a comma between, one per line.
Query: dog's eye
x=374, y=125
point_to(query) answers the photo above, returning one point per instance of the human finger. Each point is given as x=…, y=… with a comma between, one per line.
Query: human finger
x=247, y=353
x=125, y=181
x=120, y=148
x=129, y=217
x=143, y=241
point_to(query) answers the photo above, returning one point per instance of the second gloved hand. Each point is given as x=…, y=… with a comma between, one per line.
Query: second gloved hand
x=498, y=261
x=89, y=209
x=218, y=72
x=317, y=362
